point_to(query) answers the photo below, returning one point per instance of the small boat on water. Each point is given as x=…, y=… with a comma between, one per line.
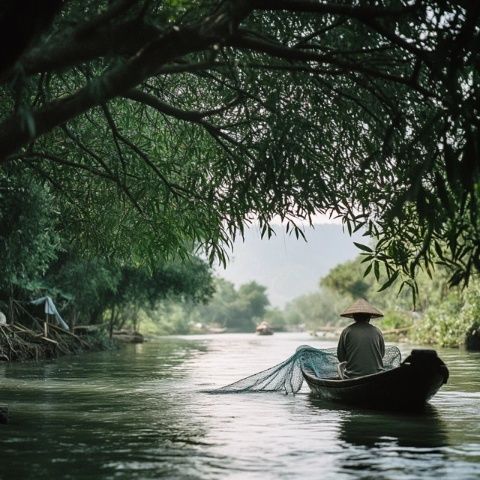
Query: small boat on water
x=264, y=329
x=408, y=386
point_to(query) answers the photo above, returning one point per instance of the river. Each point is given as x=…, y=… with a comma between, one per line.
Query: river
x=137, y=413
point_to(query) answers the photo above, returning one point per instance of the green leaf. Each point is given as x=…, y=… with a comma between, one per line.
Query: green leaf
x=376, y=270
x=456, y=278
x=349, y=227
x=363, y=247
x=389, y=281
x=367, y=271
x=438, y=249
x=451, y=166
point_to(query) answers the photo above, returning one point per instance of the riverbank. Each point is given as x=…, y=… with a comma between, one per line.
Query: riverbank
x=18, y=343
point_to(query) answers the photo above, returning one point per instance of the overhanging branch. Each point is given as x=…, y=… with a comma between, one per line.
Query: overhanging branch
x=160, y=51
x=274, y=49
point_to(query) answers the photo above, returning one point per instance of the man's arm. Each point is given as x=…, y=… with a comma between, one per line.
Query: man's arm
x=341, y=350
x=382, y=345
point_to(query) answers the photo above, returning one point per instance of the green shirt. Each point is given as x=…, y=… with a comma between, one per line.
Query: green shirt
x=361, y=345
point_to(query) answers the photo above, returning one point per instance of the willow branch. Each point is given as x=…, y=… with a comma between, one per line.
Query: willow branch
x=274, y=49
x=164, y=49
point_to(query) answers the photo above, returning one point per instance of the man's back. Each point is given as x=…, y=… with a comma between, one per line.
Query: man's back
x=361, y=345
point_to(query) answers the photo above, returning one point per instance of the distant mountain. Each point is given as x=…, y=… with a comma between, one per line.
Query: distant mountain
x=287, y=266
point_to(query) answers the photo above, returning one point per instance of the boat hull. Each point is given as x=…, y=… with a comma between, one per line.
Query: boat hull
x=409, y=386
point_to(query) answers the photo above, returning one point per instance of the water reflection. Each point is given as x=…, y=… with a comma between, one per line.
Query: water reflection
x=381, y=442
x=423, y=430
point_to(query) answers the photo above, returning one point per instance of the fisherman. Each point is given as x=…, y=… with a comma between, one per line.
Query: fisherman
x=361, y=346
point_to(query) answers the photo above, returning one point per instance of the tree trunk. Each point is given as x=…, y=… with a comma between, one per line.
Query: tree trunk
x=111, y=322
x=135, y=320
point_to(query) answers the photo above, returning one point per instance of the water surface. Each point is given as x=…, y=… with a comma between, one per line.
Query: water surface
x=138, y=413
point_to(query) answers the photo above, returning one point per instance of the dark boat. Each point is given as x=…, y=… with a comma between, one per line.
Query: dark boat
x=408, y=386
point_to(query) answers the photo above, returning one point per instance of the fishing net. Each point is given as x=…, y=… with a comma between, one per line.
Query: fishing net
x=287, y=376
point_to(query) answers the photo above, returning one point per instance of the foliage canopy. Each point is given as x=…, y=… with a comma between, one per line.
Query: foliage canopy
x=28, y=236
x=177, y=122
x=444, y=316
x=235, y=309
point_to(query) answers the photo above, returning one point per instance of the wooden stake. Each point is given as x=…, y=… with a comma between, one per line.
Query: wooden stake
x=45, y=326
x=11, y=312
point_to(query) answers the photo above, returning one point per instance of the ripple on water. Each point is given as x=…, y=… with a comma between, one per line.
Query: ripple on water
x=139, y=414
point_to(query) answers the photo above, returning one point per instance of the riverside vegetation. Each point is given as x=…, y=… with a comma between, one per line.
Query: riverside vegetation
x=443, y=315
x=137, y=135
x=38, y=257
x=184, y=297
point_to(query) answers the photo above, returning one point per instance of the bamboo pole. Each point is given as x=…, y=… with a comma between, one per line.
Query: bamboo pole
x=45, y=326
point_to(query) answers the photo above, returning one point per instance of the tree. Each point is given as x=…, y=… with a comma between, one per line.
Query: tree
x=237, y=310
x=179, y=120
x=97, y=288
x=316, y=309
x=28, y=237
x=254, y=297
x=347, y=279
x=85, y=285
x=444, y=315
x=143, y=288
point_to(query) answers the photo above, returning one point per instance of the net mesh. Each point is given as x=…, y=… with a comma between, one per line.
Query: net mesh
x=287, y=376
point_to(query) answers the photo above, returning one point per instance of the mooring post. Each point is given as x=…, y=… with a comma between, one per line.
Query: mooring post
x=3, y=414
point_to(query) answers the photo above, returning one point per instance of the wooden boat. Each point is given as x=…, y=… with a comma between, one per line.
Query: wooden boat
x=264, y=329
x=408, y=386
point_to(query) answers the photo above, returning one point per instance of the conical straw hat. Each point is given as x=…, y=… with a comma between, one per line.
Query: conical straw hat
x=361, y=306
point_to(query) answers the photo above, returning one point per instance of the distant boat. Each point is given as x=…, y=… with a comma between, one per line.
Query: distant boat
x=216, y=330
x=264, y=329
x=408, y=386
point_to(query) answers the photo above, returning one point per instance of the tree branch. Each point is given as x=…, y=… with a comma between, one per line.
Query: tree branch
x=163, y=49
x=185, y=115
x=78, y=166
x=20, y=25
x=294, y=54
x=75, y=47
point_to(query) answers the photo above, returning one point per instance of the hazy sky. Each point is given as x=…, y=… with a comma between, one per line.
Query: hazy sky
x=287, y=266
